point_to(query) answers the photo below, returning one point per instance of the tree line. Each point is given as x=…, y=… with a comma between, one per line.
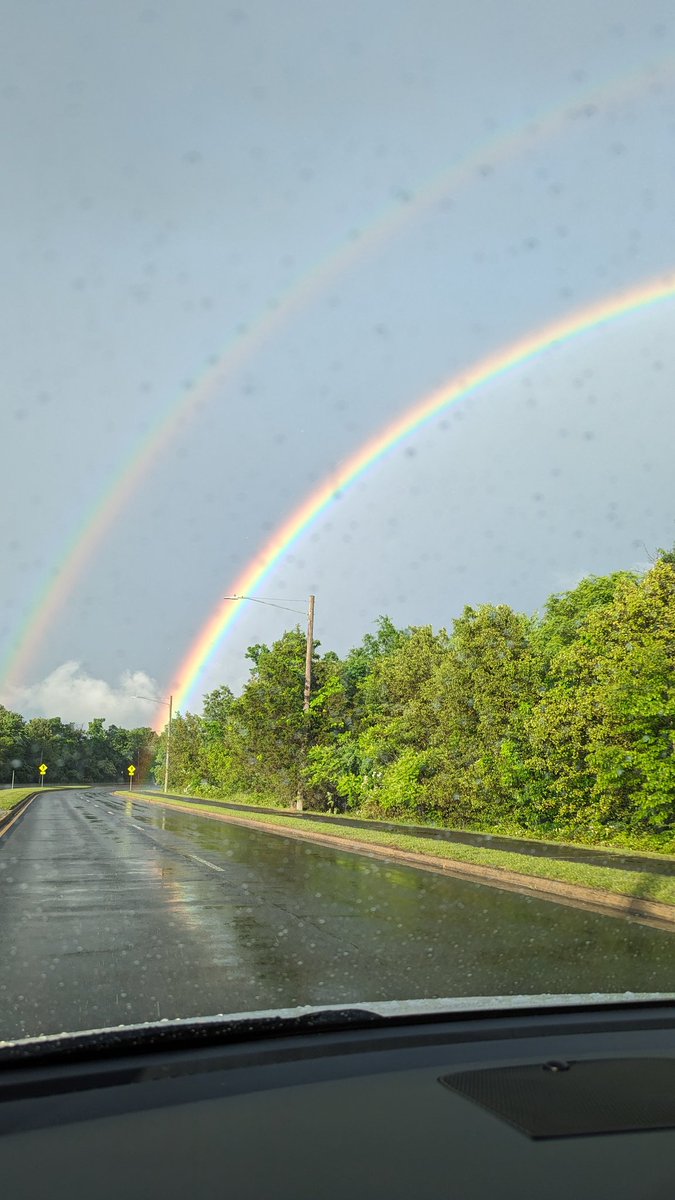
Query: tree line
x=73, y=755
x=562, y=722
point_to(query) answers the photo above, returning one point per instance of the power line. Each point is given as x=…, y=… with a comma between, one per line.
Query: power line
x=270, y=599
x=269, y=604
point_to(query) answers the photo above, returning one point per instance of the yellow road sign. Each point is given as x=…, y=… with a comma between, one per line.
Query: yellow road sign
x=131, y=770
x=42, y=768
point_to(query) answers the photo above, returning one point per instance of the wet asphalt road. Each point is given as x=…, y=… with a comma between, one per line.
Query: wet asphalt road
x=114, y=912
x=630, y=861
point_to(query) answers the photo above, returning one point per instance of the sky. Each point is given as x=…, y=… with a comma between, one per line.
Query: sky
x=333, y=209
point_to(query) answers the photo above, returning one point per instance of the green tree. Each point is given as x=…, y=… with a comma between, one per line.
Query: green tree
x=566, y=612
x=269, y=734
x=221, y=773
x=603, y=736
x=45, y=739
x=133, y=747
x=482, y=694
x=391, y=764
x=185, y=757
x=12, y=745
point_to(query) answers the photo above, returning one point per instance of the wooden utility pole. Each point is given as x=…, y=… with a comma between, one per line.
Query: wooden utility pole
x=168, y=746
x=308, y=674
x=308, y=656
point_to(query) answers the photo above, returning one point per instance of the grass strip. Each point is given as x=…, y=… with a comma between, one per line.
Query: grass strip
x=607, y=879
x=614, y=841
x=12, y=796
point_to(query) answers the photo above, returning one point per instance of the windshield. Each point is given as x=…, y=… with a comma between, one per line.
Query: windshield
x=338, y=631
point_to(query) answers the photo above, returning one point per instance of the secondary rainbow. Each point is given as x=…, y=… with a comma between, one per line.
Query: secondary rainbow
x=377, y=448
x=91, y=530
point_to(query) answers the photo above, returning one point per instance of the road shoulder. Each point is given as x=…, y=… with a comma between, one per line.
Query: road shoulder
x=9, y=816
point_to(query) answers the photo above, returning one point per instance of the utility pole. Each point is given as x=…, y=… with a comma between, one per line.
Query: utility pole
x=308, y=675
x=308, y=656
x=168, y=746
x=169, y=702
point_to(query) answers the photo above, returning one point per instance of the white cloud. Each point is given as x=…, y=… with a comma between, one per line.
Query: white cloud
x=70, y=693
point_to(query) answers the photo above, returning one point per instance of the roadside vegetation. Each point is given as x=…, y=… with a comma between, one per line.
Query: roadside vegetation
x=556, y=727
x=73, y=755
x=11, y=796
x=559, y=726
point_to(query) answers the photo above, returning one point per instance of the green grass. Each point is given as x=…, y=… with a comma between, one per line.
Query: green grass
x=607, y=879
x=604, y=838
x=11, y=796
x=250, y=799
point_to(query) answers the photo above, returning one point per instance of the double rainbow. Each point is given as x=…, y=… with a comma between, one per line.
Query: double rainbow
x=89, y=533
x=301, y=520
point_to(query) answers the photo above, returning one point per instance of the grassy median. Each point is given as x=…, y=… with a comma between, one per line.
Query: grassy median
x=641, y=884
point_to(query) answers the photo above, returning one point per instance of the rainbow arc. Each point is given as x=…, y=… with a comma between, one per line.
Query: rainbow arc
x=298, y=524
x=100, y=517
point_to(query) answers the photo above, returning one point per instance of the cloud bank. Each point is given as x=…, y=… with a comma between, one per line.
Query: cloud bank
x=71, y=693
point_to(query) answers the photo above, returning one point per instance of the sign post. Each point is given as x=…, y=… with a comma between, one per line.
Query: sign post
x=42, y=769
x=132, y=770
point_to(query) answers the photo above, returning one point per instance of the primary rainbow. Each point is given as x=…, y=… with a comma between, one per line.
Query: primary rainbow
x=90, y=531
x=300, y=521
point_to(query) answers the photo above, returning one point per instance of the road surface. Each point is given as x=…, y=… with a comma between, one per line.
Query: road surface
x=629, y=860
x=113, y=912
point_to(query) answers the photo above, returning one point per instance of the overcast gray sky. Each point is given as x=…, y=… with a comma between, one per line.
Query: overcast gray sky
x=172, y=169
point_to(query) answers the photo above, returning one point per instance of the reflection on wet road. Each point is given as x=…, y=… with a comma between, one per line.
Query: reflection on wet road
x=113, y=912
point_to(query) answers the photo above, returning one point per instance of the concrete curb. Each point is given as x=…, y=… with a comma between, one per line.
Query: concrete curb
x=646, y=912
x=8, y=818
x=619, y=859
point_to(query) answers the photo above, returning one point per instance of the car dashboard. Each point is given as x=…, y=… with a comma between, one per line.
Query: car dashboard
x=557, y=1102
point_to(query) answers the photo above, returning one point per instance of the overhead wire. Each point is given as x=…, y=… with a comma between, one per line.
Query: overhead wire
x=270, y=604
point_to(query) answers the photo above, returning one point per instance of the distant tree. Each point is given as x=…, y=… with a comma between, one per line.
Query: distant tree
x=45, y=739
x=12, y=745
x=185, y=757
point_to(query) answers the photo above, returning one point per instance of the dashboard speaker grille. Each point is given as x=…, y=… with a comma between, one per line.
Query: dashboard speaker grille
x=573, y=1099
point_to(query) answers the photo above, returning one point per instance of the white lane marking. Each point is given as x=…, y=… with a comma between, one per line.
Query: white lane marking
x=205, y=863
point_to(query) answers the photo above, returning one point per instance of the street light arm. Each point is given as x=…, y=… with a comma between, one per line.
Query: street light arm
x=268, y=604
